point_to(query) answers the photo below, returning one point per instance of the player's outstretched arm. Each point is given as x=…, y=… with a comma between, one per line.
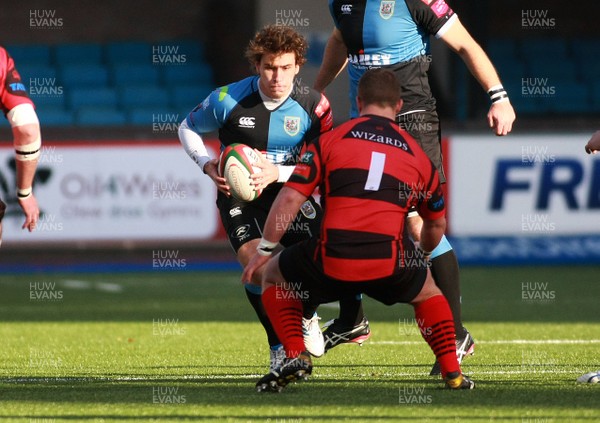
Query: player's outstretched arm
x=593, y=145
x=335, y=58
x=501, y=114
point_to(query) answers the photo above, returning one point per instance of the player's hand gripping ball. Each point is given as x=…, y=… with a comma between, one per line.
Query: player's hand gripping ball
x=236, y=166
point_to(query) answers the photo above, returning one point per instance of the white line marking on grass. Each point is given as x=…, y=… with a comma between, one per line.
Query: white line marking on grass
x=75, y=284
x=500, y=342
x=85, y=285
x=89, y=379
x=108, y=287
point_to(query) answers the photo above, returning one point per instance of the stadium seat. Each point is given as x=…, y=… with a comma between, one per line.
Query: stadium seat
x=129, y=52
x=47, y=101
x=55, y=117
x=544, y=48
x=196, y=73
x=85, y=53
x=100, y=116
x=584, y=49
x=83, y=75
x=30, y=54
x=502, y=49
x=589, y=68
x=156, y=115
x=29, y=72
x=559, y=72
x=189, y=96
x=149, y=96
x=522, y=103
x=194, y=50
x=134, y=74
x=595, y=92
x=571, y=97
x=83, y=97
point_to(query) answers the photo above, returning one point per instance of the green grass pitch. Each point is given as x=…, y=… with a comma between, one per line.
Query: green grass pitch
x=183, y=345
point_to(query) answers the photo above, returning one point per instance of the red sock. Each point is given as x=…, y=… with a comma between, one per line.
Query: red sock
x=285, y=314
x=437, y=327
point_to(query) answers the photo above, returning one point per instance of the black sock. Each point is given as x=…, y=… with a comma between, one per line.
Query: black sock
x=444, y=269
x=256, y=301
x=308, y=309
x=351, y=311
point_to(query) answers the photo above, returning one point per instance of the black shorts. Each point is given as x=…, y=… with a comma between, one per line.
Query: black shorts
x=244, y=221
x=424, y=127
x=304, y=275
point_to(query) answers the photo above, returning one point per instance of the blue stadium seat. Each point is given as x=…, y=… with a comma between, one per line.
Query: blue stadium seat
x=84, y=75
x=100, y=97
x=129, y=52
x=584, y=49
x=134, y=75
x=48, y=101
x=544, y=48
x=85, y=53
x=100, y=116
x=510, y=71
x=590, y=69
x=189, y=96
x=195, y=73
x=28, y=72
x=595, y=93
x=503, y=49
x=30, y=54
x=521, y=101
x=155, y=115
x=571, y=97
x=558, y=72
x=194, y=50
x=150, y=96
x=55, y=117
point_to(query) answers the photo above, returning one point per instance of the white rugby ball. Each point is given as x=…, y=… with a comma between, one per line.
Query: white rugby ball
x=592, y=377
x=236, y=166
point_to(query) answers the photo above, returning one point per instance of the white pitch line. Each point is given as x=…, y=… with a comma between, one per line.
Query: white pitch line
x=226, y=377
x=499, y=342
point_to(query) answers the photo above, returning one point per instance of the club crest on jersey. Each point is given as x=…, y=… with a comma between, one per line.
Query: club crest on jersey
x=386, y=9
x=291, y=125
x=308, y=210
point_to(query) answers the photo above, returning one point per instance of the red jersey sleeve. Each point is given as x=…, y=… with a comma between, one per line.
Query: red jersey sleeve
x=12, y=90
x=307, y=173
x=324, y=114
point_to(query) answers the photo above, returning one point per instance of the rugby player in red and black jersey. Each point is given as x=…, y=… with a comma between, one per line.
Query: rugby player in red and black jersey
x=369, y=172
x=18, y=109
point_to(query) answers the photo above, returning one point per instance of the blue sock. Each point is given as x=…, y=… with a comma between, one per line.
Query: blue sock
x=443, y=247
x=254, y=289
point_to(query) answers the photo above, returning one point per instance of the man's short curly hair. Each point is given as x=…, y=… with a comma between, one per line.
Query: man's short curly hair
x=277, y=39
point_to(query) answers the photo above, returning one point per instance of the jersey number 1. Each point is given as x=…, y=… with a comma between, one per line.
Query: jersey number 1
x=375, y=171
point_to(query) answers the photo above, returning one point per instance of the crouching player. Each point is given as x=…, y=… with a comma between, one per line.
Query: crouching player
x=370, y=172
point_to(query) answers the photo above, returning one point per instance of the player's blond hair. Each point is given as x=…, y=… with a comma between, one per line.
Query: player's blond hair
x=277, y=39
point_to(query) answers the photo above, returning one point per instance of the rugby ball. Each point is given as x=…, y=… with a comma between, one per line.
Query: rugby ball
x=236, y=166
x=592, y=377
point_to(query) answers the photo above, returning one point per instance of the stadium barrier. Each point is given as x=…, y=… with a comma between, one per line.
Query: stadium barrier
x=520, y=199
